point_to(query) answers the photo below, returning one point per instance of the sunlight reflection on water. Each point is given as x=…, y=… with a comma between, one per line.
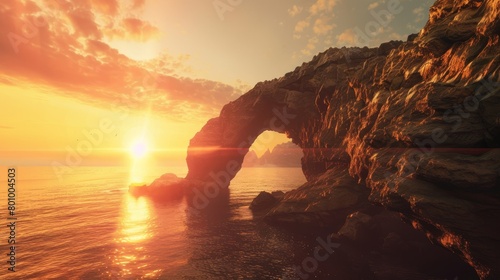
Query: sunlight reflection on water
x=135, y=228
x=104, y=233
x=135, y=220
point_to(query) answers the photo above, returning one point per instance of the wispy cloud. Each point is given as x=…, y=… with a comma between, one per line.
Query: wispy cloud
x=5, y=127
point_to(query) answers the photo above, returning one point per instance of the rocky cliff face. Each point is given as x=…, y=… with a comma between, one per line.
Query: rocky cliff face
x=413, y=126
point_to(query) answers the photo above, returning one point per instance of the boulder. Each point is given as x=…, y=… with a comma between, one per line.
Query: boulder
x=265, y=201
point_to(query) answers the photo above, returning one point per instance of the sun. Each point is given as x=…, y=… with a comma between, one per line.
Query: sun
x=138, y=149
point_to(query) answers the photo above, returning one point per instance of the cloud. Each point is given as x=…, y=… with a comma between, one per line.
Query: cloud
x=138, y=4
x=319, y=14
x=322, y=6
x=420, y=14
x=347, y=38
x=67, y=53
x=108, y=7
x=134, y=29
x=420, y=17
x=418, y=11
x=321, y=26
x=301, y=26
x=84, y=24
x=311, y=46
x=373, y=5
x=295, y=10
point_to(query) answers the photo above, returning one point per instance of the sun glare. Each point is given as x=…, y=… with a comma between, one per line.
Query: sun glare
x=138, y=149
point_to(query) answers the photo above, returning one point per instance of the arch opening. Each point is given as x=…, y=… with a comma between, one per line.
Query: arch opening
x=271, y=167
x=273, y=149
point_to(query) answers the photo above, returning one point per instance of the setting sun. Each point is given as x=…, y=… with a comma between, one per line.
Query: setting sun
x=139, y=153
x=138, y=149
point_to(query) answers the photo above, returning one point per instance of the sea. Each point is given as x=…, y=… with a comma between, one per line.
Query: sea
x=87, y=226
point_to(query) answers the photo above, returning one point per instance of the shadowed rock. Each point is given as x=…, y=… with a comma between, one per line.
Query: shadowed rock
x=167, y=187
x=265, y=201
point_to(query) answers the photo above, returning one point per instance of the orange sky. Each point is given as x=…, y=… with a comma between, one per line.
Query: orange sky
x=153, y=69
x=60, y=80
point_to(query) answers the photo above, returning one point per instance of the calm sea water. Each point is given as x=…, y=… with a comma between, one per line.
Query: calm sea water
x=88, y=227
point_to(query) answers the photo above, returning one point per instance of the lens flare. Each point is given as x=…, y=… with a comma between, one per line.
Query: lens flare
x=139, y=149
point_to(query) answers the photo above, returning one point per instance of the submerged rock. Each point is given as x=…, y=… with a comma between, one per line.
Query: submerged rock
x=265, y=201
x=167, y=187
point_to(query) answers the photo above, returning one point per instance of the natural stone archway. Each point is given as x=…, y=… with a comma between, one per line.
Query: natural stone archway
x=294, y=104
x=226, y=140
x=412, y=126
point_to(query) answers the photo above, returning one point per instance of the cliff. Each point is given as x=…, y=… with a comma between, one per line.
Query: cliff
x=412, y=126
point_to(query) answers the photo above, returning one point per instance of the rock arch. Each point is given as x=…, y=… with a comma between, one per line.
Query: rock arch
x=223, y=142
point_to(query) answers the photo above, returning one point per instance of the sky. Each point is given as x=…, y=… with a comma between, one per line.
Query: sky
x=87, y=82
